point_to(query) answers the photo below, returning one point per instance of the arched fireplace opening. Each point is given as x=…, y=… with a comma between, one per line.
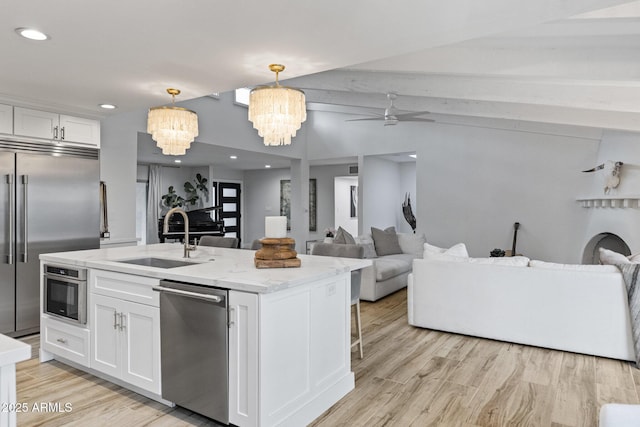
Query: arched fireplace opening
x=610, y=241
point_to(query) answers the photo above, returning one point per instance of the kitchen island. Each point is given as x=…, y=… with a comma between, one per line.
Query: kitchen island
x=288, y=328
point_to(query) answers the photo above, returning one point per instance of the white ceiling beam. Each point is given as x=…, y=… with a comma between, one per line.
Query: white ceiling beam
x=443, y=108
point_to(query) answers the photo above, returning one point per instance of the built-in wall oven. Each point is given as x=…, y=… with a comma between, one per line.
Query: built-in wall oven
x=65, y=293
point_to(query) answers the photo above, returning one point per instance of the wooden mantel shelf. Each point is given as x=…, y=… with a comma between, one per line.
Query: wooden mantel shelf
x=629, y=201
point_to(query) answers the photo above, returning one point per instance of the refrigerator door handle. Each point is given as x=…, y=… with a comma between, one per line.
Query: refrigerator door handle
x=25, y=213
x=11, y=222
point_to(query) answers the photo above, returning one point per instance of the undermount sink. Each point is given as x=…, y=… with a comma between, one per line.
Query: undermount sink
x=157, y=262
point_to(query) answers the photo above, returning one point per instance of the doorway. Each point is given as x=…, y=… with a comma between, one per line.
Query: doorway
x=227, y=199
x=345, y=190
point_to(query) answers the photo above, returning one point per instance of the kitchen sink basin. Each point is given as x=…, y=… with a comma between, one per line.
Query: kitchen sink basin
x=157, y=262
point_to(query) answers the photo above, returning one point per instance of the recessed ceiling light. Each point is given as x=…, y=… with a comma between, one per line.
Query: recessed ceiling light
x=413, y=155
x=108, y=106
x=267, y=166
x=233, y=157
x=178, y=161
x=32, y=34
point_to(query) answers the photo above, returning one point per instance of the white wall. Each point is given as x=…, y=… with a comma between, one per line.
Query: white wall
x=381, y=194
x=262, y=198
x=118, y=155
x=624, y=222
x=342, y=201
x=474, y=183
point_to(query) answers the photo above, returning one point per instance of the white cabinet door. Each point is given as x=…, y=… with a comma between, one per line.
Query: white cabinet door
x=78, y=129
x=35, y=123
x=141, y=346
x=6, y=119
x=126, y=341
x=105, y=352
x=243, y=358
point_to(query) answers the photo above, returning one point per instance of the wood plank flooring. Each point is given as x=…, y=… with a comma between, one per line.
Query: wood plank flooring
x=408, y=377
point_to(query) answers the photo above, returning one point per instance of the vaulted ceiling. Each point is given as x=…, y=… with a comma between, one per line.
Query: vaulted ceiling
x=572, y=61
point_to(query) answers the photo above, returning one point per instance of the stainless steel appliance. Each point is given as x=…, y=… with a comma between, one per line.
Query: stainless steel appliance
x=194, y=348
x=50, y=203
x=65, y=293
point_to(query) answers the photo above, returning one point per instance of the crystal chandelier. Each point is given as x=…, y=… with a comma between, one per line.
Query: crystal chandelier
x=277, y=111
x=173, y=128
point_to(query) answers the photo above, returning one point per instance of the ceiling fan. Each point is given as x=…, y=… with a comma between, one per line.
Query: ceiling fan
x=392, y=115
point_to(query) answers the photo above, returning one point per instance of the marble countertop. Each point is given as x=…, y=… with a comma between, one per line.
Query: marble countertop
x=212, y=266
x=13, y=351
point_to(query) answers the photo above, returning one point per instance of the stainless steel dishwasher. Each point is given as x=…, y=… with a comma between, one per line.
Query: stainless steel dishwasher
x=194, y=348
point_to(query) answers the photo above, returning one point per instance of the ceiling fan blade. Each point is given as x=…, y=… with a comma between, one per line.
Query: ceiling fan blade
x=411, y=114
x=368, y=118
x=416, y=119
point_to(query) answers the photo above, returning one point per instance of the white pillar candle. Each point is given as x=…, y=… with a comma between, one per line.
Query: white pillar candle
x=275, y=226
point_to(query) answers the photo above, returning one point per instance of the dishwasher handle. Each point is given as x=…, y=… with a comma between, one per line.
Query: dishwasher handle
x=213, y=298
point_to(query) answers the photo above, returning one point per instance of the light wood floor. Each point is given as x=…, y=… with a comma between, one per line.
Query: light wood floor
x=408, y=377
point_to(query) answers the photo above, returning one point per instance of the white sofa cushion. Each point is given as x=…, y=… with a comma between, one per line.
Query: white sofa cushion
x=513, y=261
x=392, y=265
x=574, y=267
x=412, y=243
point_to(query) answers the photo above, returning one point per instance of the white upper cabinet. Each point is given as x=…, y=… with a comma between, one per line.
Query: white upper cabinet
x=6, y=119
x=77, y=129
x=34, y=123
x=53, y=126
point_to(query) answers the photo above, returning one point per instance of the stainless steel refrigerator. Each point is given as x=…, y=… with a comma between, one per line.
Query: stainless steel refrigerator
x=50, y=203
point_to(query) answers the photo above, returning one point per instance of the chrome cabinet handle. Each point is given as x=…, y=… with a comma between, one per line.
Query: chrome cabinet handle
x=62, y=340
x=122, y=326
x=25, y=203
x=55, y=132
x=11, y=224
x=115, y=320
x=62, y=133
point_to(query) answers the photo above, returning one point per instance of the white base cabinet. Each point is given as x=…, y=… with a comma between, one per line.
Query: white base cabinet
x=125, y=334
x=65, y=340
x=289, y=353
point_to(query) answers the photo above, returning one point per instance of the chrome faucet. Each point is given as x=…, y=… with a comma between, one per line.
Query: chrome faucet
x=165, y=229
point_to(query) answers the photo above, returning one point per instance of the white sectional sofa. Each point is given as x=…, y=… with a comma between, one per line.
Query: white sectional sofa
x=581, y=309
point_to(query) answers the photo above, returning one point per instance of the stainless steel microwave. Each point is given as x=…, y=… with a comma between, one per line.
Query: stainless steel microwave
x=65, y=293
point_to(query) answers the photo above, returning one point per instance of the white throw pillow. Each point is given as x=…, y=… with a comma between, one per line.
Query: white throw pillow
x=574, y=267
x=412, y=243
x=457, y=250
x=634, y=258
x=608, y=257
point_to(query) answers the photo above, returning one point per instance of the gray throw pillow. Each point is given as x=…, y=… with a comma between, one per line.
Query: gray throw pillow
x=343, y=237
x=386, y=241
